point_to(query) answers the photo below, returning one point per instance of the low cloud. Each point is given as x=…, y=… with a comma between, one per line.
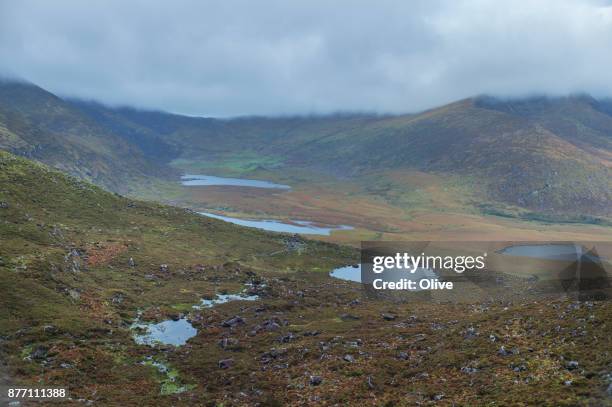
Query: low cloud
x=239, y=57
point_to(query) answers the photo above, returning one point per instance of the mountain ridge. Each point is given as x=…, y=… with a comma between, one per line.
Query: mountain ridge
x=552, y=155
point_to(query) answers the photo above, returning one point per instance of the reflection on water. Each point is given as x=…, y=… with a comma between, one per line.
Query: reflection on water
x=209, y=180
x=223, y=298
x=349, y=273
x=167, y=332
x=297, y=226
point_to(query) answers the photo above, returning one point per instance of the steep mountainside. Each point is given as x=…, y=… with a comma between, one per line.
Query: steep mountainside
x=37, y=124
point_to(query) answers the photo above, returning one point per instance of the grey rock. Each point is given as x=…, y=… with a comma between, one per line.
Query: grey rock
x=370, y=382
x=39, y=353
x=74, y=294
x=232, y=322
x=117, y=298
x=470, y=333
x=388, y=317
x=572, y=365
x=349, y=358
x=287, y=338
x=226, y=363
x=316, y=380
x=226, y=343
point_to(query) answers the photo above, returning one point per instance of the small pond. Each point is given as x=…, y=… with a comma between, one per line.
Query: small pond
x=167, y=332
x=177, y=332
x=223, y=298
x=210, y=180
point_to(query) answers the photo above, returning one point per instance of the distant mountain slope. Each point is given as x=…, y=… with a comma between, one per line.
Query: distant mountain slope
x=37, y=124
x=550, y=155
x=547, y=155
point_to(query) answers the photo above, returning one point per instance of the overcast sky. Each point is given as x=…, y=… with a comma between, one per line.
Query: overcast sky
x=227, y=58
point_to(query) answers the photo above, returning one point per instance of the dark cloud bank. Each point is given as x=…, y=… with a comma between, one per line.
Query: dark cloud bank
x=225, y=58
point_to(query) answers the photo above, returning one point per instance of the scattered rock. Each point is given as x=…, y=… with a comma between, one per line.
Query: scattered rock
x=316, y=380
x=226, y=363
x=572, y=365
x=4, y=205
x=226, y=343
x=271, y=325
x=403, y=356
x=349, y=358
x=348, y=317
x=131, y=262
x=470, y=333
x=39, y=353
x=469, y=370
x=568, y=382
x=388, y=317
x=163, y=268
x=74, y=294
x=287, y=338
x=73, y=261
x=370, y=383
x=50, y=329
x=232, y=322
x=311, y=333
x=117, y=298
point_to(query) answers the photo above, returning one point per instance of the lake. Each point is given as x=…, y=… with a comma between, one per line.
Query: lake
x=273, y=225
x=210, y=180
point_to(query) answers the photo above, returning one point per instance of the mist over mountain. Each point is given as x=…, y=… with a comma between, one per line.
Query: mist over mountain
x=545, y=154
